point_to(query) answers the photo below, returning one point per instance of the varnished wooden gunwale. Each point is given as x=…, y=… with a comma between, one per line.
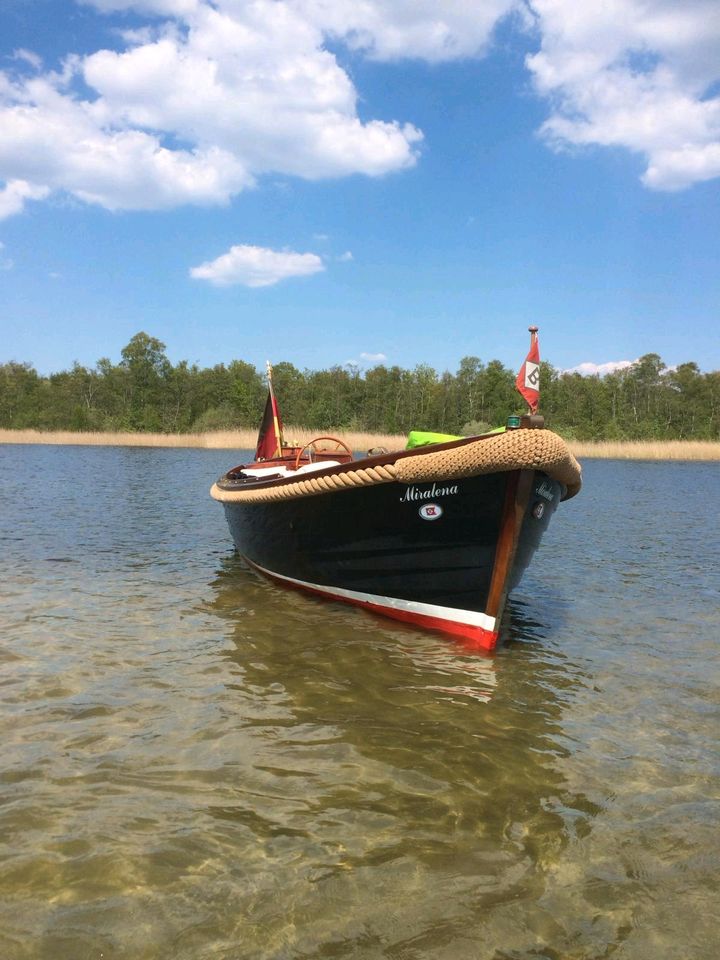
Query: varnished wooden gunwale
x=517, y=495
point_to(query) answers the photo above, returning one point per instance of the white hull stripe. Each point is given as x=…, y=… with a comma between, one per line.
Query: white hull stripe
x=470, y=617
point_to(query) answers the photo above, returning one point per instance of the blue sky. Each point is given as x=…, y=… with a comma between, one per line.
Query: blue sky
x=329, y=182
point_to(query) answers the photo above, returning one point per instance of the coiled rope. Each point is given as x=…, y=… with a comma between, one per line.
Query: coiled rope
x=514, y=450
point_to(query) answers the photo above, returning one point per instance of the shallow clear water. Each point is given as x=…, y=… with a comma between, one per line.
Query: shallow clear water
x=197, y=764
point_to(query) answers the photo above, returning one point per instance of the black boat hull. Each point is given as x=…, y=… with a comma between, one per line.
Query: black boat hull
x=441, y=555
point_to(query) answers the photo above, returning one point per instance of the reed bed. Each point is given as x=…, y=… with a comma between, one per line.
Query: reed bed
x=215, y=440
x=359, y=442
x=647, y=450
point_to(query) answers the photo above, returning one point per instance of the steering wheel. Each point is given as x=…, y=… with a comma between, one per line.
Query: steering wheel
x=339, y=445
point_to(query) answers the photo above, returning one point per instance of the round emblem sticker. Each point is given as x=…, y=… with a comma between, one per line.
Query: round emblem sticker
x=430, y=511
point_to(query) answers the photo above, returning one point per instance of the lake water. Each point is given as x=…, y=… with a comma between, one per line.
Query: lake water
x=196, y=764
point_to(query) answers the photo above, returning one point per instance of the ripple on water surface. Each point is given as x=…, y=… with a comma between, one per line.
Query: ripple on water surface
x=197, y=764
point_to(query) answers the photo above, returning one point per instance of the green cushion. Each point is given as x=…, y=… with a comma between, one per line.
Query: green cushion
x=420, y=438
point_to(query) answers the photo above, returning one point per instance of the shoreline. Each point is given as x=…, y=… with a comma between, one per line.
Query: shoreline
x=240, y=439
x=700, y=450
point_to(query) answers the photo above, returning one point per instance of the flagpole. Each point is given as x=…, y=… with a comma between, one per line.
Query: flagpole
x=276, y=423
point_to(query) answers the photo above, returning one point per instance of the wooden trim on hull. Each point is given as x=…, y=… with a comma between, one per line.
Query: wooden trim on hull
x=477, y=631
x=519, y=486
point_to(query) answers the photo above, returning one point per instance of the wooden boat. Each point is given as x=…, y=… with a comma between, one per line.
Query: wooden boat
x=435, y=536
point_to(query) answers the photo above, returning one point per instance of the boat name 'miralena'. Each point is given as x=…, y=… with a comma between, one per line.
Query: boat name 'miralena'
x=412, y=493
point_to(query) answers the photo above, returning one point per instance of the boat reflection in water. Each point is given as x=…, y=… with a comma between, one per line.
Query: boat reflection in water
x=384, y=768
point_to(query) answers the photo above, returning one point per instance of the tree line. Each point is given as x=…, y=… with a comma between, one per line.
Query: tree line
x=146, y=392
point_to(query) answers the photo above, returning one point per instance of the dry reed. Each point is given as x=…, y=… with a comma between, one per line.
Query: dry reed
x=647, y=450
x=215, y=440
x=246, y=439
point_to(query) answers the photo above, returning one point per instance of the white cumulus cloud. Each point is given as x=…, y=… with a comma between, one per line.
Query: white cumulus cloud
x=421, y=29
x=14, y=195
x=32, y=59
x=202, y=98
x=373, y=357
x=198, y=104
x=588, y=369
x=638, y=74
x=256, y=266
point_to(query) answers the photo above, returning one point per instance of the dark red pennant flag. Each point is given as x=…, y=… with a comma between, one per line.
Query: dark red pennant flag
x=528, y=378
x=269, y=443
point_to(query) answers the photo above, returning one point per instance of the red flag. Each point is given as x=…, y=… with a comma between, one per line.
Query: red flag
x=269, y=442
x=528, y=378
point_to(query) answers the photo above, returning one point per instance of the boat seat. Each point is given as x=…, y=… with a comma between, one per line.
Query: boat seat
x=284, y=471
x=320, y=465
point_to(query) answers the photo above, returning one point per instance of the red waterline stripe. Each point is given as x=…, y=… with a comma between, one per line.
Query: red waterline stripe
x=474, y=636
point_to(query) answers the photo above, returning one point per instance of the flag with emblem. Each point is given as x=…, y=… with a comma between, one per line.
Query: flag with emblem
x=270, y=438
x=528, y=378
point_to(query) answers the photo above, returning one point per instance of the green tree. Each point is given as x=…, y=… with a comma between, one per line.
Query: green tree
x=144, y=391
x=20, y=396
x=148, y=370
